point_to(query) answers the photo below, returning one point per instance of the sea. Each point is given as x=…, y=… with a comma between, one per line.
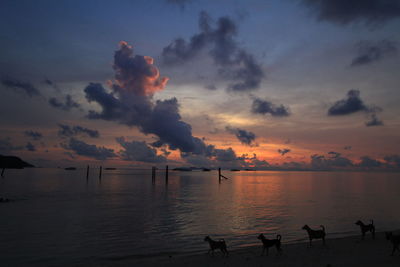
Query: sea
x=57, y=217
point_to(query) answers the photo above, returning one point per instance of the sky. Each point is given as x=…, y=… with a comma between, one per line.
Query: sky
x=292, y=84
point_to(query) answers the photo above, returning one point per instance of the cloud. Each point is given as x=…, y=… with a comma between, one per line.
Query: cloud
x=352, y=104
x=181, y=3
x=130, y=102
x=374, y=121
x=66, y=105
x=368, y=162
x=234, y=63
x=24, y=87
x=348, y=11
x=227, y=155
x=369, y=52
x=69, y=131
x=211, y=87
x=320, y=162
x=34, y=135
x=264, y=107
x=349, y=105
x=30, y=147
x=6, y=146
x=245, y=137
x=393, y=160
x=283, y=151
x=139, y=151
x=334, y=154
x=92, y=151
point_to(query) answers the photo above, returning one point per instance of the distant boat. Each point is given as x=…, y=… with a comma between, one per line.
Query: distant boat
x=110, y=169
x=206, y=170
x=70, y=169
x=235, y=170
x=249, y=169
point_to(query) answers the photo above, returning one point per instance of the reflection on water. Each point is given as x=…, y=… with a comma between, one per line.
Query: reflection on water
x=59, y=218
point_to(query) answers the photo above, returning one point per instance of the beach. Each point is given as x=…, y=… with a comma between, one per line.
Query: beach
x=347, y=251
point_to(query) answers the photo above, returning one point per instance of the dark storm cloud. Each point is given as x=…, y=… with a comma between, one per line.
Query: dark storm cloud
x=283, y=151
x=349, y=105
x=352, y=104
x=264, y=107
x=138, y=151
x=245, y=137
x=369, y=52
x=34, y=135
x=374, y=121
x=130, y=102
x=66, y=105
x=234, y=63
x=19, y=86
x=69, y=131
x=30, y=147
x=348, y=11
x=320, y=162
x=368, y=162
x=92, y=151
x=225, y=155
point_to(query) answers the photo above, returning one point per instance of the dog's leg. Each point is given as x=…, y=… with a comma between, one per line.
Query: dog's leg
x=262, y=252
x=310, y=242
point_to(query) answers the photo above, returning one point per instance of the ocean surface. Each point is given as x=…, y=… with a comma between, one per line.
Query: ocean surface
x=58, y=218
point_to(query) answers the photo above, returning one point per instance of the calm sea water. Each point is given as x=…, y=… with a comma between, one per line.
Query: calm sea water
x=57, y=218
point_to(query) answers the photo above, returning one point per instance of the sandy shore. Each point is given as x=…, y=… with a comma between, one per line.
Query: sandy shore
x=348, y=251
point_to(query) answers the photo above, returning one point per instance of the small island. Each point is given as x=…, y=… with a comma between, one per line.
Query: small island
x=13, y=162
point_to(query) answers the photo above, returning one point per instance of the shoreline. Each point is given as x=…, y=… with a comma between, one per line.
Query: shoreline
x=341, y=251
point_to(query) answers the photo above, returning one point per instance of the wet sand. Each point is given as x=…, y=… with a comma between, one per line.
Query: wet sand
x=348, y=251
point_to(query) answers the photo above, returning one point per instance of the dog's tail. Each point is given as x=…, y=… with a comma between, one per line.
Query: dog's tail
x=279, y=237
x=323, y=228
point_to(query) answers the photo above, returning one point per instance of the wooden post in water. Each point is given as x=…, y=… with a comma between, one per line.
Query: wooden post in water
x=87, y=173
x=153, y=174
x=2, y=172
x=166, y=174
x=219, y=175
x=101, y=168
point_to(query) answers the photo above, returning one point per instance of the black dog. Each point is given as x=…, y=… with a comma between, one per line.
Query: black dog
x=216, y=245
x=315, y=234
x=267, y=243
x=366, y=228
x=395, y=240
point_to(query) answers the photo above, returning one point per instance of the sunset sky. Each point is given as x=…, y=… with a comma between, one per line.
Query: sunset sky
x=238, y=84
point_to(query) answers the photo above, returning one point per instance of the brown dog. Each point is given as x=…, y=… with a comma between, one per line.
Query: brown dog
x=366, y=228
x=267, y=243
x=315, y=234
x=216, y=245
